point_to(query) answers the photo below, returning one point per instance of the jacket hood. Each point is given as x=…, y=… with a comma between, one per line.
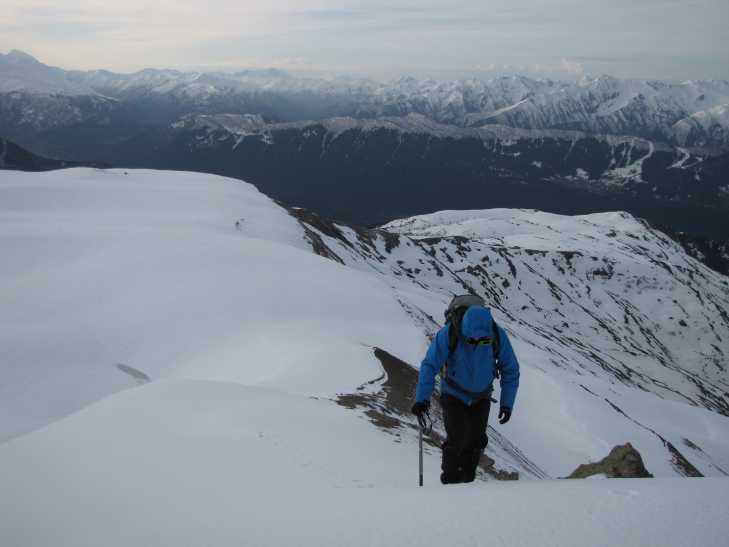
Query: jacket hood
x=476, y=323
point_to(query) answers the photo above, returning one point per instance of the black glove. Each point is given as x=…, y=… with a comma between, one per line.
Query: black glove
x=420, y=408
x=504, y=414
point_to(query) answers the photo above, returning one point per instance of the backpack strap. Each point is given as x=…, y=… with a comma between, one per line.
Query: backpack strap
x=454, y=333
x=496, y=348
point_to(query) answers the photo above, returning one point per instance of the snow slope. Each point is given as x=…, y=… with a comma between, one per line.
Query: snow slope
x=704, y=127
x=203, y=463
x=618, y=328
x=173, y=275
x=187, y=362
x=648, y=297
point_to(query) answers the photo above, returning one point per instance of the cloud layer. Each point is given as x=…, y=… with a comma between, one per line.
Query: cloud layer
x=651, y=38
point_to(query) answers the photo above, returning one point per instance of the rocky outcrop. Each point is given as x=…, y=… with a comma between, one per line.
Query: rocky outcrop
x=623, y=462
x=386, y=402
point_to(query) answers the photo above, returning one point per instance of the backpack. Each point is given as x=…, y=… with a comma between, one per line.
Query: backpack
x=454, y=316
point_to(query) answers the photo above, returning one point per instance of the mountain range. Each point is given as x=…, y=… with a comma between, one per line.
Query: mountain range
x=368, y=152
x=692, y=113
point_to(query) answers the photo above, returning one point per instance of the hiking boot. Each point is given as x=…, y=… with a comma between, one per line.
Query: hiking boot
x=469, y=465
x=450, y=479
x=451, y=466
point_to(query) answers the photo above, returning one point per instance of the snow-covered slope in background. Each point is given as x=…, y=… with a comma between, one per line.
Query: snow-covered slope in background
x=252, y=328
x=605, y=277
x=618, y=327
x=704, y=128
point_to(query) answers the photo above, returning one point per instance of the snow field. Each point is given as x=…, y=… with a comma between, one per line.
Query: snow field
x=207, y=292
x=149, y=271
x=180, y=462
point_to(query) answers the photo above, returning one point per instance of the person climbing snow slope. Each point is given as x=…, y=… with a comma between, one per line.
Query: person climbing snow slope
x=469, y=352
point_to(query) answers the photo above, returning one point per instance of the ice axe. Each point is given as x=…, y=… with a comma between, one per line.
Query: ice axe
x=424, y=428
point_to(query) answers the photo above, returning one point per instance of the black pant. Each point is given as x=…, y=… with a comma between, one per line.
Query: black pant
x=465, y=438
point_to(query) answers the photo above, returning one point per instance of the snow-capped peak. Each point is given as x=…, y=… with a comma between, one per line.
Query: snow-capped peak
x=20, y=57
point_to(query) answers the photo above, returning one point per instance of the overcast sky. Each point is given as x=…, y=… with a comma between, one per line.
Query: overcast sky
x=670, y=39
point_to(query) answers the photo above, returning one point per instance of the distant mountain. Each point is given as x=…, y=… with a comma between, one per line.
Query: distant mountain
x=704, y=128
x=14, y=157
x=20, y=72
x=653, y=110
x=692, y=113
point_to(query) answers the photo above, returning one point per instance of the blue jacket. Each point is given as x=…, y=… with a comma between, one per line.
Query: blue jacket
x=471, y=367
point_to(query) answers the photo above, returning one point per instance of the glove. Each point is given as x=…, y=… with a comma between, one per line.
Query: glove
x=504, y=414
x=420, y=408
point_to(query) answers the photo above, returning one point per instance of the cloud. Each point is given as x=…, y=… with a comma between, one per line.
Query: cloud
x=332, y=14
x=561, y=36
x=572, y=67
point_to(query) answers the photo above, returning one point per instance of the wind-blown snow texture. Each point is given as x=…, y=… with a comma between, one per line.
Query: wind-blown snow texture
x=176, y=345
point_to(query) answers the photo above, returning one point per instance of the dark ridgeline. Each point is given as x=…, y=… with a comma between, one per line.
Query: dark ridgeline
x=14, y=157
x=369, y=176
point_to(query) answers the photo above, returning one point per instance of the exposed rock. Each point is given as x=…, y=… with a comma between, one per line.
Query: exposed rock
x=623, y=462
x=388, y=407
x=711, y=251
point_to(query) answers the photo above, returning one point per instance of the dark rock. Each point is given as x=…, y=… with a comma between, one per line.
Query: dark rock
x=389, y=408
x=14, y=157
x=622, y=462
x=714, y=252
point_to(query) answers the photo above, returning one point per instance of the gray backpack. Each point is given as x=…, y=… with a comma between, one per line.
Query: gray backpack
x=454, y=316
